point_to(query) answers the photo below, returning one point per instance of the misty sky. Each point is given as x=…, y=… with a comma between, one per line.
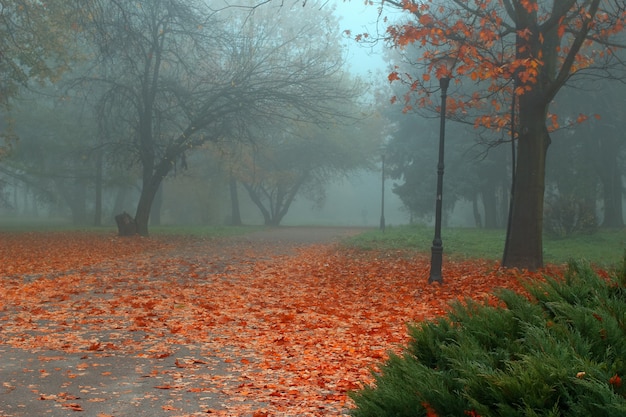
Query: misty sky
x=359, y=18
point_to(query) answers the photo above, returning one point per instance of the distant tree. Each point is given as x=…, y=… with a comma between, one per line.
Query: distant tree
x=409, y=155
x=587, y=160
x=473, y=173
x=235, y=212
x=302, y=161
x=603, y=147
x=34, y=39
x=179, y=76
x=493, y=181
x=526, y=48
x=54, y=157
x=477, y=171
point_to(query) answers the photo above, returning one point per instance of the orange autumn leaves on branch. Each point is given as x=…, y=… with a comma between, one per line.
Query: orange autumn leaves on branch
x=492, y=42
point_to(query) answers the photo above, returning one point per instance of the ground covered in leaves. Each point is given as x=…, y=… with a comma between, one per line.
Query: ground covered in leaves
x=173, y=326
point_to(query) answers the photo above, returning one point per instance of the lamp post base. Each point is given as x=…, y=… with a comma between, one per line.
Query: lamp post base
x=436, y=260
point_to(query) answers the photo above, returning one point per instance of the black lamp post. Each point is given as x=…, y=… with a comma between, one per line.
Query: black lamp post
x=382, y=200
x=437, y=248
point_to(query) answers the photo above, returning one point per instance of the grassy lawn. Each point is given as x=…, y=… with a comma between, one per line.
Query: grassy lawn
x=606, y=247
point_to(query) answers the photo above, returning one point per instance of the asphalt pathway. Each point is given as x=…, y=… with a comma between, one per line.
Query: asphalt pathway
x=98, y=383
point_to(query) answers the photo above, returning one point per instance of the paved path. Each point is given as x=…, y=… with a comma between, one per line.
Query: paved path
x=104, y=384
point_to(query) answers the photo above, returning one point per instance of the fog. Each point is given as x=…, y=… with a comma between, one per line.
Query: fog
x=34, y=189
x=281, y=122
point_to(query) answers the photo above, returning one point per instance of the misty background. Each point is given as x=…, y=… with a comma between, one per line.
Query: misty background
x=72, y=151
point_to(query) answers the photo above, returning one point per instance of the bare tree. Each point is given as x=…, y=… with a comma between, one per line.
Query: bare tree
x=179, y=75
x=302, y=161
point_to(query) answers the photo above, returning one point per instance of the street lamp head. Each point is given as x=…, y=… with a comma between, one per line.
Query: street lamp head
x=445, y=65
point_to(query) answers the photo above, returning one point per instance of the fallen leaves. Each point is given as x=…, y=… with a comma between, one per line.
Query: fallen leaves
x=291, y=335
x=61, y=398
x=72, y=406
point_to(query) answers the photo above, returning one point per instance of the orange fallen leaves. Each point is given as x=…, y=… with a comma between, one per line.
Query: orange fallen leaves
x=296, y=333
x=72, y=406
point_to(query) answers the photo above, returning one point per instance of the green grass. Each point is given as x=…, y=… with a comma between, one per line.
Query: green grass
x=606, y=247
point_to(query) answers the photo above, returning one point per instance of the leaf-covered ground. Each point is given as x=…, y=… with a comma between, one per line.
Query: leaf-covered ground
x=177, y=326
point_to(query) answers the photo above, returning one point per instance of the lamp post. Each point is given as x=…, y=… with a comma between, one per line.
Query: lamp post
x=436, y=258
x=382, y=200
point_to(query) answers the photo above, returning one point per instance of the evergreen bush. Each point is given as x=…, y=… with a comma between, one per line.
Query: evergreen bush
x=559, y=352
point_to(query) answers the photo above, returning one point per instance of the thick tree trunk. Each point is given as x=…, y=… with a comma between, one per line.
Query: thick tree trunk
x=149, y=189
x=142, y=215
x=157, y=204
x=524, y=246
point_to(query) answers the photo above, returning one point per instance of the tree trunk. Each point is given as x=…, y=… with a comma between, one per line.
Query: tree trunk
x=79, y=207
x=157, y=204
x=477, y=219
x=97, y=218
x=235, y=215
x=142, y=215
x=256, y=199
x=488, y=194
x=74, y=195
x=607, y=167
x=278, y=199
x=524, y=246
x=149, y=189
x=612, y=197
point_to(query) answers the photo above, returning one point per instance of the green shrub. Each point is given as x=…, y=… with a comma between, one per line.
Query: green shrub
x=561, y=353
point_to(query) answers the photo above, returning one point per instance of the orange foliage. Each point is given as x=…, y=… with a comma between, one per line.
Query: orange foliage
x=296, y=332
x=489, y=45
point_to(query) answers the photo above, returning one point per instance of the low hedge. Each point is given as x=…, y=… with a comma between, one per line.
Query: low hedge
x=559, y=352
